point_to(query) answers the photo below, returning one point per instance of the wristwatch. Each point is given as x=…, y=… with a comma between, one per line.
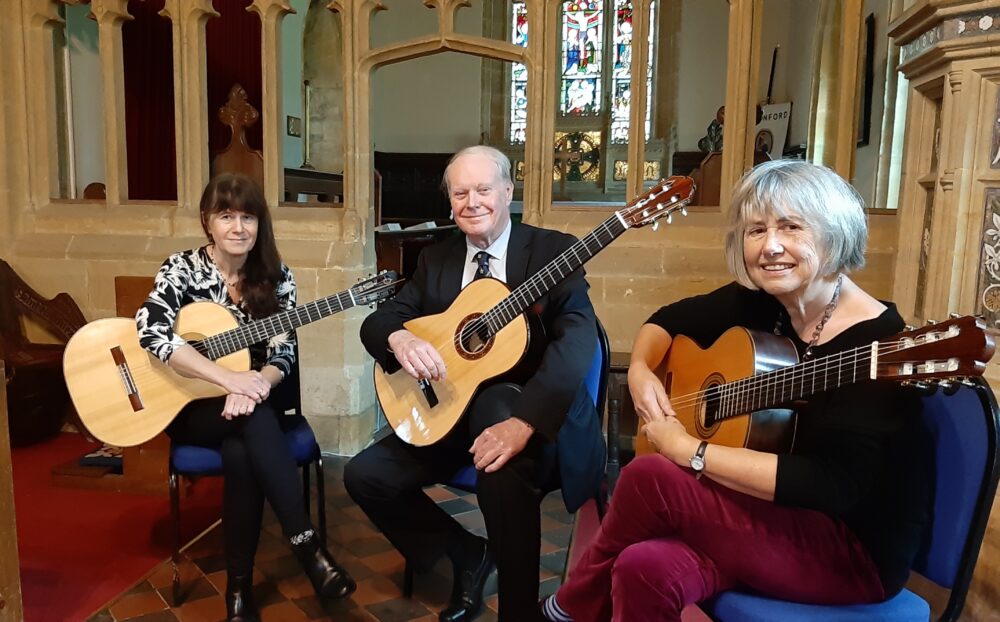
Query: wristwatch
x=698, y=460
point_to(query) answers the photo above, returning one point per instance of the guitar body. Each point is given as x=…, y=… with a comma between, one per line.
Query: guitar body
x=407, y=406
x=738, y=353
x=98, y=387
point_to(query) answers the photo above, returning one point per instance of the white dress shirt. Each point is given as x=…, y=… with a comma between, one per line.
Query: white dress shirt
x=498, y=258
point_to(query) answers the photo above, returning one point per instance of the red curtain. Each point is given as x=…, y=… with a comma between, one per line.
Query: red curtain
x=232, y=44
x=149, y=102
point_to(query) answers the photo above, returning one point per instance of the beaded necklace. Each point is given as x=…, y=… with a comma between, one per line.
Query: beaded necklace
x=211, y=255
x=827, y=313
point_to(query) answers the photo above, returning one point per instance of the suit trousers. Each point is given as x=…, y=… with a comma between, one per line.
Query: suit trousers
x=257, y=464
x=386, y=480
x=670, y=540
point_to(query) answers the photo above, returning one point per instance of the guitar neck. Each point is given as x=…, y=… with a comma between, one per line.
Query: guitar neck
x=553, y=273
x=792, y=383
x=236, y=339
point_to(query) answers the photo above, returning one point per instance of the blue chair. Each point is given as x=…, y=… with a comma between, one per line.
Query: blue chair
x=192, y=461
x=963, y=427
x=597, y=386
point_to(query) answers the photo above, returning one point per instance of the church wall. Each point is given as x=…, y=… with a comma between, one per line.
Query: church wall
x=431, y=104
x=85, y=81
x=702, y=68
x=867, y=157
x=291, y=80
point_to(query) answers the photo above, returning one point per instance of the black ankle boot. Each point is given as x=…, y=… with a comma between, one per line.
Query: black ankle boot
x=327, y=577
x=240, y=606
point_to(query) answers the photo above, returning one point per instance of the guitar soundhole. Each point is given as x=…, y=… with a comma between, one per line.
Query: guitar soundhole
x=473, y=339
x=708, y=407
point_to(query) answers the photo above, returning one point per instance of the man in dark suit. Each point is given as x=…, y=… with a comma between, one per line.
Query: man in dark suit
x=511, y=429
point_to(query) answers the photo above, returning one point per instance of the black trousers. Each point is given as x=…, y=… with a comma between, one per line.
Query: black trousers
x=257, y=464
x=386, y=480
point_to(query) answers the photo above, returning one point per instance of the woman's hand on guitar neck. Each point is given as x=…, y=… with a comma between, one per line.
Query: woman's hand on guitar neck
x=648, y=395
x=417, y=357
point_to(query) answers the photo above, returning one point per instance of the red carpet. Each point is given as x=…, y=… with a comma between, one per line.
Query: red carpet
x=78, y=548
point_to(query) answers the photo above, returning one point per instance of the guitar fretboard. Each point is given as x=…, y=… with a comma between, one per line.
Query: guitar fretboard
x=236, y=339
x=790, y=383
x=551, y=275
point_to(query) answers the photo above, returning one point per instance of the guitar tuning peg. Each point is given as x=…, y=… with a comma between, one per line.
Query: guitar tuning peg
x=923, y=387
x=910, y=327
x=684, y=211
x=967, y=382
x=931, y=322
x=954, y=315
x=670, y=218
x=949, y=386
x=656, y=225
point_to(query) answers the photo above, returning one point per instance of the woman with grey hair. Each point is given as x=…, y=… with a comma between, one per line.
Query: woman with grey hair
x=837, y=519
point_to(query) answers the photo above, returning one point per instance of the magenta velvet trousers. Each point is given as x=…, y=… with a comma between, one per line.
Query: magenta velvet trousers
x=670, y=540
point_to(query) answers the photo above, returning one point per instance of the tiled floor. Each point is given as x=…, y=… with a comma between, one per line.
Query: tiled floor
x=284, y=594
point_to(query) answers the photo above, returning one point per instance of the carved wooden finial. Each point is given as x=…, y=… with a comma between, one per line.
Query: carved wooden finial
x=238, y=113
x=238, y=157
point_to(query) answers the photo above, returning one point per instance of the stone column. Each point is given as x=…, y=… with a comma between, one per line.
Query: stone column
x=271, y=13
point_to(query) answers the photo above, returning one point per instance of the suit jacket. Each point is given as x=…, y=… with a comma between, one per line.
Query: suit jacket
x=554, y=400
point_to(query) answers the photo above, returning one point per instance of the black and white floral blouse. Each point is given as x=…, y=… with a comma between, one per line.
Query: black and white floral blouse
x=191, y=276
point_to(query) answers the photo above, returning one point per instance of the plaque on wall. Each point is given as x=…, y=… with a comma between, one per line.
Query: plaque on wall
x=772, y=131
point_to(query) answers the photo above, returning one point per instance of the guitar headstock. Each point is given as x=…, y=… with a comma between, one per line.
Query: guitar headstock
x=955, y=349
x=661, y=201
x=376, y=288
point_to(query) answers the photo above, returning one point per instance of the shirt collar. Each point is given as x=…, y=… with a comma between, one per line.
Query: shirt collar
x=496, y=250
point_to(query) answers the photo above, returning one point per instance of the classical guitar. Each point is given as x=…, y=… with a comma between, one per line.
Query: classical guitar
x=126, y=396
x=484, y=333
x=728, y=394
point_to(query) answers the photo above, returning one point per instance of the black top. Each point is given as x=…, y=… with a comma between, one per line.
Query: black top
x=860, y=453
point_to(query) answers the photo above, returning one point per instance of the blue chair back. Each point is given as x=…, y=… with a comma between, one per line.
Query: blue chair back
x=966, y=473
x=963, y=428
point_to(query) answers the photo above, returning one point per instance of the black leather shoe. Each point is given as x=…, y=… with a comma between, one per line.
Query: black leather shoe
x=466, y=601
x=328, y=578
x=240, y=606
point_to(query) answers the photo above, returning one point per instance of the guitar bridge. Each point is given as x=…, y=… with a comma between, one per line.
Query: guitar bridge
x=126, y=377
x=428, y=391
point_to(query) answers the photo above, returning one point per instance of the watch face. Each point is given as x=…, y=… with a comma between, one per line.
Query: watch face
x=697, y=463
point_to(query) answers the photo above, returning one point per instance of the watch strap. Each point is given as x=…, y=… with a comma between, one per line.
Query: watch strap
x=699, y=458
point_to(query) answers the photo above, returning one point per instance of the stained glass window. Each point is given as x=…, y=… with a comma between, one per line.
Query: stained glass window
x=621, y=72
x=584, y=79
x=519, y=77
x=582, y=47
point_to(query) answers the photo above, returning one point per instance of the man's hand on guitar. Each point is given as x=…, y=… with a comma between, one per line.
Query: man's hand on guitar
x=648, y=395
x=418, y=358
x=499, y=443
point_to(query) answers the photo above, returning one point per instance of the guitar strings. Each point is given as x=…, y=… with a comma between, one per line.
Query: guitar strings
x=493, y=321
x=506, y=308
x=733, y=391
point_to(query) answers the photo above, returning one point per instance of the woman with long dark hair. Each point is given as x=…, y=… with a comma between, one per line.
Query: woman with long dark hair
x=240, y=268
